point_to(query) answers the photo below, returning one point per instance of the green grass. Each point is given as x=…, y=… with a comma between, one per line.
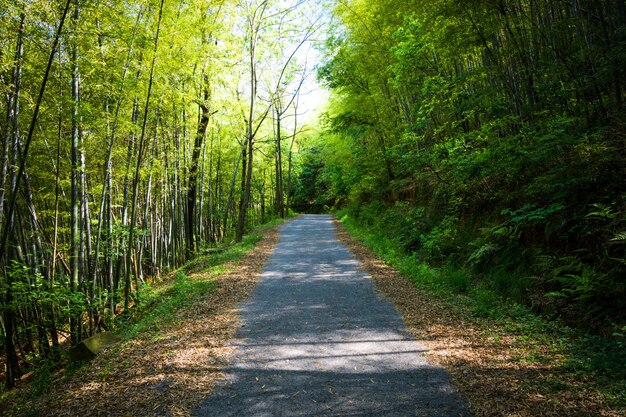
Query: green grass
x=160, y=306
x=161, y=302
x=599, y=362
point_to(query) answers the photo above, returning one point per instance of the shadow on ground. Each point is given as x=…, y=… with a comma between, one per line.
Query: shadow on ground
x=317, y=340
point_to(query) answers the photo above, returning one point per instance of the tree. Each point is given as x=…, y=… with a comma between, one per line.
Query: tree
x=12, y=365
x=120, y=180
x=474, y=132
x=278, y=67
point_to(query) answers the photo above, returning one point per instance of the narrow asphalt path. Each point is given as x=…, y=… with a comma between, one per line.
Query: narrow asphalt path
x=318, y=341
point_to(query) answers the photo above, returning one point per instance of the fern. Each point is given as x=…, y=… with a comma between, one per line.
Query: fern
x=619, y=238
x=482, y=252
x=603, y=211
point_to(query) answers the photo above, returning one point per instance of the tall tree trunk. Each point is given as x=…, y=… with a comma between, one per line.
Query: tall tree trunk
x=280, y=199
x=123, y=242
x=105, y=215
x=136, y=178
x=193, y=170
x=255, y=18
x=12, y=110
x=204, y=226
x=75, y=239
x=9, y=317
x=290, y=156
x=244, y=191
x=242, y=157
x=218, y=231
x=85, y=234
x=141, y=249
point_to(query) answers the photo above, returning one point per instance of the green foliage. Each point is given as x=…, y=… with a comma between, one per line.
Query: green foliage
x=485, y=251
x=527, y=216
x=43, y=377
x=470, y=143
x=441, y=240
x=30, y=288
x=136, y=156
x=620, y=337
x=311, y=188
x=599, y=361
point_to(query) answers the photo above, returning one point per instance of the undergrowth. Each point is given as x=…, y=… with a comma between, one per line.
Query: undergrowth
x=161, y=305
x=584, y=361
x=162, y=302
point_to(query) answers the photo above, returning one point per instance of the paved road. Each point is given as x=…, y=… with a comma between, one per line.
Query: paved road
x=318, y=341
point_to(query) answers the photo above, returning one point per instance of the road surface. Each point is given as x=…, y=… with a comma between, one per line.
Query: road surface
x=317, y=340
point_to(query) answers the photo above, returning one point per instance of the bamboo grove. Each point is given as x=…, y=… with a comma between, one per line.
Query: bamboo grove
x=135, y=134
x=486, y=137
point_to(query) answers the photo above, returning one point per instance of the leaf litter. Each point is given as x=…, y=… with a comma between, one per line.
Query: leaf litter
x=170, y=374
x=483, y=359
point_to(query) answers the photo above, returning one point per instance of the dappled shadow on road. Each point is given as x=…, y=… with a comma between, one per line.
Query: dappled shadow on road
x=317, y=340
x=415, y=392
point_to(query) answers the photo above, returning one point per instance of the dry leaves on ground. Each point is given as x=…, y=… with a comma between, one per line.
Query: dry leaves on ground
x=482, y=366
x=170, y=375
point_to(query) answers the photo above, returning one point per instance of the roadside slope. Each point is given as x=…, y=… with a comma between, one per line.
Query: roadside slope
x=165, y=370
x=504, y=368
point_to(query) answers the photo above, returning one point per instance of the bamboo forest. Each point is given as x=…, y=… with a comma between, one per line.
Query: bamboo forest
x=477, y=146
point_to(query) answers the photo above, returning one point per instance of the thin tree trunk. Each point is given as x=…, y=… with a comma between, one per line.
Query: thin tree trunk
x=12, y=110
x=280, y=199
x=254, y=21
x=75, y=239
x=108, y=167
x=193, y=171
x=202, y=225
x=146, y=209
x=242, y=156
x=12, y=365
x=290, y=157
x=133, y=220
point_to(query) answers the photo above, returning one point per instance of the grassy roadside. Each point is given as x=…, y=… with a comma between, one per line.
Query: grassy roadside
x=507, y=360
x=162, y=302
x=172, y=348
